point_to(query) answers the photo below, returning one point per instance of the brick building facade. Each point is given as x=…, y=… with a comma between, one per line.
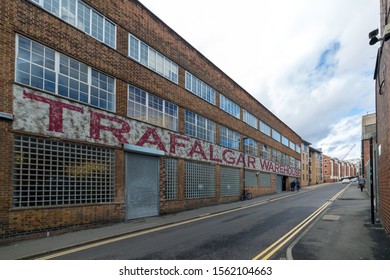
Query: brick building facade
x=382, y=97
x=107, y=114
x=305, y=161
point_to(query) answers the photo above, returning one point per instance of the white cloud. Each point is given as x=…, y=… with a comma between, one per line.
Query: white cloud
x=273, y=49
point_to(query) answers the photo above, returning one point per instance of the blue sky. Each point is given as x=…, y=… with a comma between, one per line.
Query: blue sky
x=308, y=61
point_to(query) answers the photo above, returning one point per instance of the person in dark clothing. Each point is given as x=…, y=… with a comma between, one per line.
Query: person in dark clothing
x=292, y=186
x=297, y=185
x=361, y=183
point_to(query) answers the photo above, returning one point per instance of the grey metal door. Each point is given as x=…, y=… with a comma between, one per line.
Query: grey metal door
x=142, y=186
x=279, y=184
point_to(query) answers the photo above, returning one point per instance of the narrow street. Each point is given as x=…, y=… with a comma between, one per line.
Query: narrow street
x=241, y=234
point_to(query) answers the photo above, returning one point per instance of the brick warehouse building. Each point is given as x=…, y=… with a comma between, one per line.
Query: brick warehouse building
x=106, y=115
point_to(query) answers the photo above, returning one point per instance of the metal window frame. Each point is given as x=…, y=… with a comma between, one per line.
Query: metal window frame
x=50, y=173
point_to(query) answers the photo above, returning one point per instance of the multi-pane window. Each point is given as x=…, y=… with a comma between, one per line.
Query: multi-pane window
x=284, y=140
x=275, y=135
x=250, y=146
x=200, y=180
x=285, y=159
x=250, y=119
x=171, y=184
x=229, y=138
x=229, y=106
x=199, y=127
x=83, y=17
x=298, y=149
x=48, y=173
x=298, y=164
x=265, y=128
x=292, y=162
x=229, y=181
x=276, y=156
x=146, y=107
x=42, y=68
x=265, y=179
x=142, y=53
x=200, y=88
x=265, y=152
x=292, y=145
x=251, y=178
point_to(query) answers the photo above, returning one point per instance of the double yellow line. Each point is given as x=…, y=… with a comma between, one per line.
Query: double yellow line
x=267, y=253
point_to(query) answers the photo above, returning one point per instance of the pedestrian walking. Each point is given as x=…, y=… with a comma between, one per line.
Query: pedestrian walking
x=292, y=186
x=297, y=185
x=361, y=183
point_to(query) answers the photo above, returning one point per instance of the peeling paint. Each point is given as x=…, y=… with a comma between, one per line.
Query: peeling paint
x=48, y=115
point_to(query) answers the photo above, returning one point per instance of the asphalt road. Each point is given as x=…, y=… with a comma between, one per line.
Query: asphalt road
x=238, y=235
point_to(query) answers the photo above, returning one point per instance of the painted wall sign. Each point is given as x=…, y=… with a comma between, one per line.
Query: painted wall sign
x=47, y=115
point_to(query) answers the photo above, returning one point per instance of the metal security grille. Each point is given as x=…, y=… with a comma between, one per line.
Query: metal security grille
x=230, y=181
x=47, y=173
x=250, y=178
x=171, y=185
x=200, y=180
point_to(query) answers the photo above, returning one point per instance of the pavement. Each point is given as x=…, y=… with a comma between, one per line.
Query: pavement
x=342, y=232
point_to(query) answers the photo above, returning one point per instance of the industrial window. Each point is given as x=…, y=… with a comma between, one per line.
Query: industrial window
x=199, y=88
x=229, y=138
x=152, y=109
x=275, y=135
x=200, y=180
x=229, y=106
x=199, y=127
x=292, y=162
x=142, y=53
x=250, y=119
x=43, y=68
x=298, y=149
x=285, y=159
x=285, y=141
x=171, y=185
x=276, y=156
x=80, y=15
x=292, y=145
x=229, y=181
x=251, y=178
x=265, y=180
x=250, y=146
x=50, y=173
x=265, y=152
x=265, y=128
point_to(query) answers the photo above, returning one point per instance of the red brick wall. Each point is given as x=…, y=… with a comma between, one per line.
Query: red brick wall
x=25, y=18
x=383, y=128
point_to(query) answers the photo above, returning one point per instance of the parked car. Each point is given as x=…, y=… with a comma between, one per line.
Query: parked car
x=354, y=179
x=346, y=181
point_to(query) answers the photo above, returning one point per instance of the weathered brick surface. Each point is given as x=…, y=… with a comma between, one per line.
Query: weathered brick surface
x=27, y=19
x=383, y=124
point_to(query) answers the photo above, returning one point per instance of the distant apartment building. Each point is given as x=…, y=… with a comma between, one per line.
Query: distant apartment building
x=335, y=170
x=315, y=166
x=305, y=160
x=328, y=169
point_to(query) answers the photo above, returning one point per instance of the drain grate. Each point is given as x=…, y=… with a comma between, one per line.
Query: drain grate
x=331, y=217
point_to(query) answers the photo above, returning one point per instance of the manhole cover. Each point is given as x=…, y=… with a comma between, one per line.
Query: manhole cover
x=331, y=217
